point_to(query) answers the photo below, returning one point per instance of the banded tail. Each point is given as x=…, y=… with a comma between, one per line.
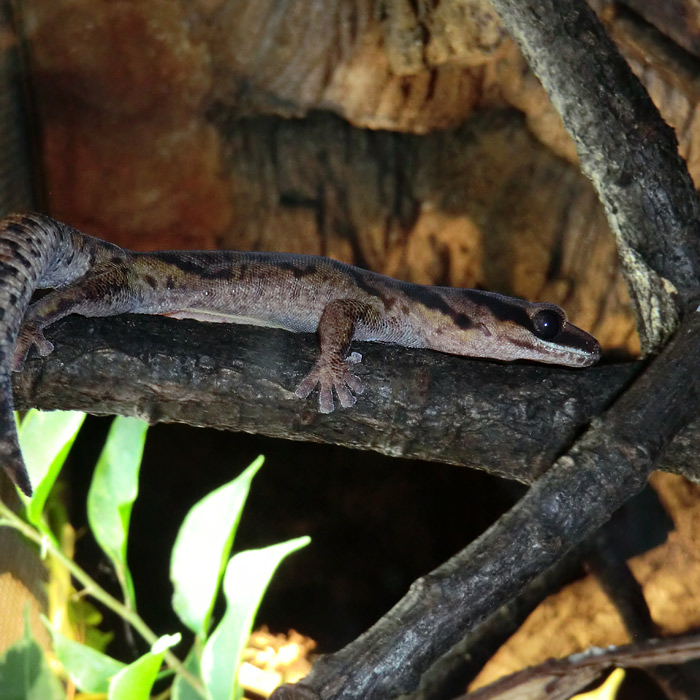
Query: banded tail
x=35, y=251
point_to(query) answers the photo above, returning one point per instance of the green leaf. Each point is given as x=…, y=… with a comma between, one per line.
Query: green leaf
x=83, y=615
x=112, y=494
x=25, y=675
x=90, y=670
x=182, y=690
x=202, y=548
x=134, y=682
x=247, y=577
x=45, y=438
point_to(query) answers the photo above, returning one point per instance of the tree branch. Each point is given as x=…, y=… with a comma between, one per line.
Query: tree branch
x=417, y=403
x=625, y=148
x=558, y=679
x=453, y=672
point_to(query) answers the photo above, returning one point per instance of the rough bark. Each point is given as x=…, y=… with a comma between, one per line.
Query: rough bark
x=559, y=679
x=452, y=673
x=511, y=420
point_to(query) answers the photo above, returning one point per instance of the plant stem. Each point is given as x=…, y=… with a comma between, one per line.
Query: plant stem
x=10, y=519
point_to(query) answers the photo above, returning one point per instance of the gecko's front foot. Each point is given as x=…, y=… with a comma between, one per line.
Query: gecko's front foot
x=329, y=374
x=29, y=335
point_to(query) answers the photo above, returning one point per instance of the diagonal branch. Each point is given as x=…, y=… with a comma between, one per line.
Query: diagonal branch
x=625, y=148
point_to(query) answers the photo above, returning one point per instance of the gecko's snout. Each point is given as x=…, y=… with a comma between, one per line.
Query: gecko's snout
x=588, y=347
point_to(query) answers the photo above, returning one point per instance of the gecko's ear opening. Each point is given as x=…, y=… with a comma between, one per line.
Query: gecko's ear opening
x=547, y=324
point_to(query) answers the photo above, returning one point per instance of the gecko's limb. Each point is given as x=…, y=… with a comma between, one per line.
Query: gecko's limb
x=35, y=252
x=335, y=331
x=102, y=291
x=29, y=335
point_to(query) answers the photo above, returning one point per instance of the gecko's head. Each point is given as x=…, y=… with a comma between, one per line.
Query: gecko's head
x=504, y=328
x=543, y=334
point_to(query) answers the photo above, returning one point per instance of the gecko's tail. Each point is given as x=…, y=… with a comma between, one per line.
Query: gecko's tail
x=28, y=244
x=10, y=455
x=35, y=252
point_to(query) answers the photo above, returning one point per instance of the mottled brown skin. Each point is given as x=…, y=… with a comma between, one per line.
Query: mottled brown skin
x=300, y=293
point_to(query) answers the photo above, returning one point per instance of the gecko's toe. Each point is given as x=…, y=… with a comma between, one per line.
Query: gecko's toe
x=44, y=347
x=28, y=336
x=344, y=396
x=306, y=386
x=18, y=357
x=354, y=383
x=325, y=399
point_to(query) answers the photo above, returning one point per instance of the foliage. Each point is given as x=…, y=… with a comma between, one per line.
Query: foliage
x=200, y=563
x=25, y=674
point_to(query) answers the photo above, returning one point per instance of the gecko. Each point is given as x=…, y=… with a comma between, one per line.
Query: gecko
x=300, y=293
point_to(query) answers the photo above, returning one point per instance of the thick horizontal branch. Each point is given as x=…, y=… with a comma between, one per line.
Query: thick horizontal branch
x=512, y=420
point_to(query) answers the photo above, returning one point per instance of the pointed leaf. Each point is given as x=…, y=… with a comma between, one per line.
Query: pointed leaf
x=607, y=690
x=112, y=494
x=246, y=579
x=89, y=669
x=45, y=438
x=134, y=682
x=202, y=548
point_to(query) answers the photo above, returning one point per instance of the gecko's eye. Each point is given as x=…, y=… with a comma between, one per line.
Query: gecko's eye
x=546, y=324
